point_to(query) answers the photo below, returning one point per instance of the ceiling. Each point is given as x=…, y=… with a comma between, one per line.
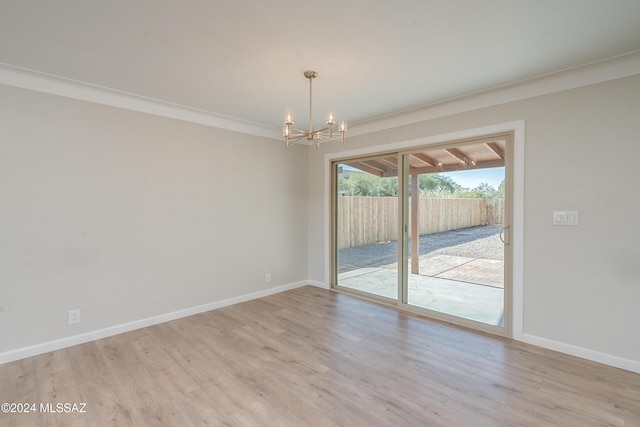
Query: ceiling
x=244, y=59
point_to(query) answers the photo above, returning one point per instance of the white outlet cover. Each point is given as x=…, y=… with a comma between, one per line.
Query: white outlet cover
x=74, y=316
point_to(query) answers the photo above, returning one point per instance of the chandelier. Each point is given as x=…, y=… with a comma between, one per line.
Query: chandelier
x=318, y=136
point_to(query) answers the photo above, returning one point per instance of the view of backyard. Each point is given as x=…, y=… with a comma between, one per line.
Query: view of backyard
x=461, y=272
x=461, y=256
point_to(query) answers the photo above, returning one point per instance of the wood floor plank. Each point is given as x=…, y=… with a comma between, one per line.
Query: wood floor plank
x=18, y=386
x=192, y=403
x=199, y=372
x=55, y=379
x=317, y=358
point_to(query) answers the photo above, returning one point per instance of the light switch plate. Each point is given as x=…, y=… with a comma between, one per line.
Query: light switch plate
x=566, y=218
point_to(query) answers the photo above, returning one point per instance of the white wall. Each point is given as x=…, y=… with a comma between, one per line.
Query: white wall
x=581, y=284
x=127, y=216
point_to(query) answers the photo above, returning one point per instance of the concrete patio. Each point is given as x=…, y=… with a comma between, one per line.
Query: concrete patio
x=470, y=288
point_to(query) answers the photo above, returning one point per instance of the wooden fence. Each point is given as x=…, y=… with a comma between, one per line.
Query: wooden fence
x=367, y=220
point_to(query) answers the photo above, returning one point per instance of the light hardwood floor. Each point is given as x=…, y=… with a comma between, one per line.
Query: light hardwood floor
x=311, y=357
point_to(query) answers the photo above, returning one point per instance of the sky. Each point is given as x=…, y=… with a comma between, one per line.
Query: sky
x=472, y=178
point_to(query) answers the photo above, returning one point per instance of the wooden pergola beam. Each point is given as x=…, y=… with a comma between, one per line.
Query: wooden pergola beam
x=425, y=159
x=391, y=162
x=456, y=167
x=496, y=149
x=367, y=168
x=457, y=154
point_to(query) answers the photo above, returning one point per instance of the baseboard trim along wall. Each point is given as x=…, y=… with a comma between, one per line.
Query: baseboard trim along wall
x=317, y=284
x=584, y=353
x=34, y=350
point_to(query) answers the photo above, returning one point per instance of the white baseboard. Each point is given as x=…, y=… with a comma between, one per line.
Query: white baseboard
x=584, y=353
x=34, y=350
x=318, y=284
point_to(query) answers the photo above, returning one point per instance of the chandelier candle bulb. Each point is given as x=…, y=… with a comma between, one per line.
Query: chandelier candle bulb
x=330, y=120
x=288, y=116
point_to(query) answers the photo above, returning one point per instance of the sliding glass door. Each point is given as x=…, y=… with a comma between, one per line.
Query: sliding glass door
x=366, y=226
x=428, y=230
x=455, y=252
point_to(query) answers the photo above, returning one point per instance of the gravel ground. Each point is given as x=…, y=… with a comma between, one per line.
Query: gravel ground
x=473, y=242
x=487, y=248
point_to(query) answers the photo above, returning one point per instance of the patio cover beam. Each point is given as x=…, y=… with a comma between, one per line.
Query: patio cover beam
x=496, y=149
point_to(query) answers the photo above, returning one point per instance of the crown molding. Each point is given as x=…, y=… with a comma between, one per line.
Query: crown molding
x=617, y=67
x=41, y=82
x=596, y=72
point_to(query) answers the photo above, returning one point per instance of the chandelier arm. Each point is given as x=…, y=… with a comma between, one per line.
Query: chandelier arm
x=321, y=131
x=298, y=132
x=332, y=139
x=294, y=139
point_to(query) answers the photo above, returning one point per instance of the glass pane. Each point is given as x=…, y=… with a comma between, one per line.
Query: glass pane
x=367, y=226
x=458, y=213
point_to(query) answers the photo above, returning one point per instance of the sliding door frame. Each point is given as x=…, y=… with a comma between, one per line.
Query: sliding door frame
x=513, y=327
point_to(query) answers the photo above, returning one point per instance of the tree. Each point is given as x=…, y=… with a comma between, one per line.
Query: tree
x=482, y=191
x=430, y=185
x=366, y=184
x=437, y=184
x=501, y=189
x=388, y=187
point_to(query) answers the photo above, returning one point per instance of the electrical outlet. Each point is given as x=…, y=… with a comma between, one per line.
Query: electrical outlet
x=267, y=278
x=74, y=316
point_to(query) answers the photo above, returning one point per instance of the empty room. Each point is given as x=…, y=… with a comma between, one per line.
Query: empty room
x=347, y=213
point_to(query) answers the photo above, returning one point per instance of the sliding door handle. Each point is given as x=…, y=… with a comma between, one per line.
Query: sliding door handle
x=504, y=235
